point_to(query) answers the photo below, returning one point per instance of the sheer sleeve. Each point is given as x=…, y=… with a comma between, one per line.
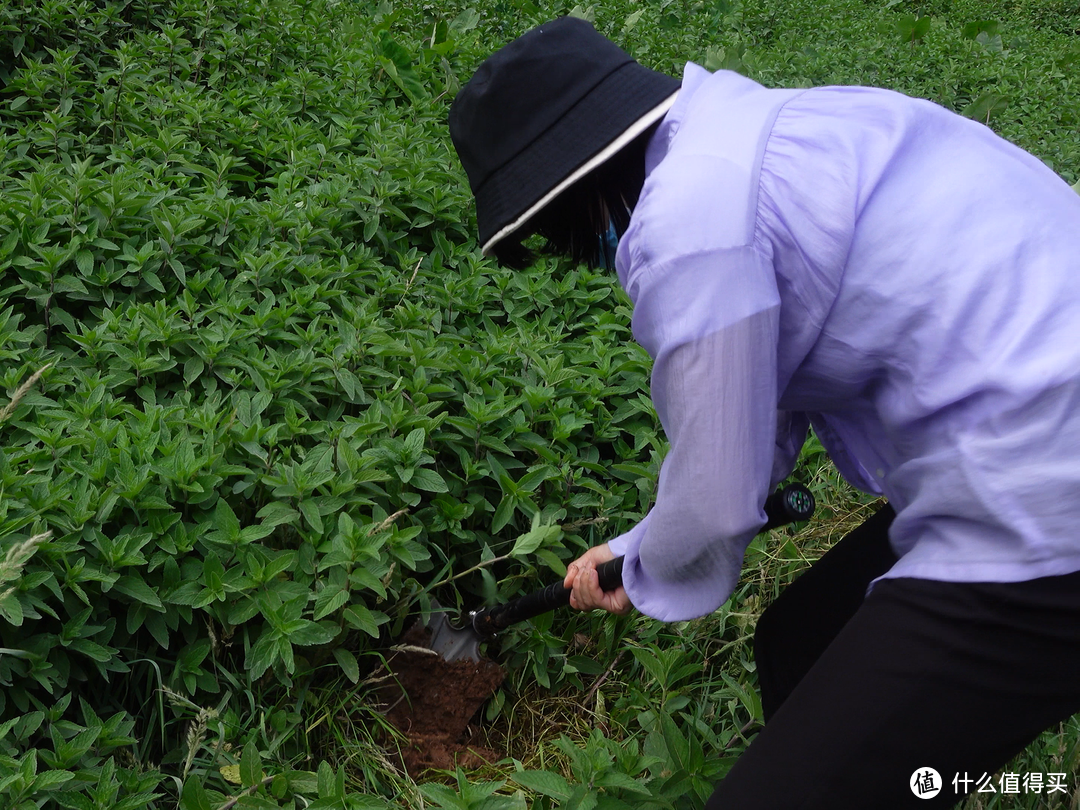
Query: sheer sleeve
x=710, y=321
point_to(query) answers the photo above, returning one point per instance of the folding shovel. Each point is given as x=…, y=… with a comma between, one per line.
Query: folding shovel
x=791, y=504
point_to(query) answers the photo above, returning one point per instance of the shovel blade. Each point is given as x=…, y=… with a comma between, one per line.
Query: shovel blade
x=452, y=643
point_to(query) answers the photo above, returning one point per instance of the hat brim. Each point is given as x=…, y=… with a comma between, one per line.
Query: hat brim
x=611, y=115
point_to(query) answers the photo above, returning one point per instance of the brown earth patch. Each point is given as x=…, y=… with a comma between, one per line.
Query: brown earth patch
x=431, y=701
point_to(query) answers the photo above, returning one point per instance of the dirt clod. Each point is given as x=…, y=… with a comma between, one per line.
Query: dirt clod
x=432, y=701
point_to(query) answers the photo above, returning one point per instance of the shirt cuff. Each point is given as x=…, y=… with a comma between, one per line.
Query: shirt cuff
x=670, y=601
x=617, y=545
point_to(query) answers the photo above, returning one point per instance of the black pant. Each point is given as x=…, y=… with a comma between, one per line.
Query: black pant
x=860, y=692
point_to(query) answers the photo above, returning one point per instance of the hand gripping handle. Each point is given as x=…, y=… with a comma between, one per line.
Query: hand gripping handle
x=791, y=504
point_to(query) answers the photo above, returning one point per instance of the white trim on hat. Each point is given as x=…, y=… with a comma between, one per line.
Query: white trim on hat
x=604, y=154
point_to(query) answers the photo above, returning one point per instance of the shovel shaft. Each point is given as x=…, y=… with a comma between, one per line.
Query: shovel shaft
x=791, y=504
x=489, y=621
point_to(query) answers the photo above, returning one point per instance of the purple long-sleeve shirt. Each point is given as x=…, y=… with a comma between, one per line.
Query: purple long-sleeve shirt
x=897, y=276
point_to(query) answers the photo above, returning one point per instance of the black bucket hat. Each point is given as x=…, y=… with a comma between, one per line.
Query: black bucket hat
x=542, y=112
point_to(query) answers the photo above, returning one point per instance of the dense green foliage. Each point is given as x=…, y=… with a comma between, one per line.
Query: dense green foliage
x=284, y=403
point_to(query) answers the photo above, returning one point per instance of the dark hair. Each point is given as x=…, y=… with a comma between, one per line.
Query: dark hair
x=575, y=223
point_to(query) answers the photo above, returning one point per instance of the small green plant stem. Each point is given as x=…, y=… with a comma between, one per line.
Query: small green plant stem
x=476, y=567
x=249, y=791
x=752, y=725
x=116, y=103
x=600, y=680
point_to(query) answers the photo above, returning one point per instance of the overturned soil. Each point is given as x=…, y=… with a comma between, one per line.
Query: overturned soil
x=432, y=701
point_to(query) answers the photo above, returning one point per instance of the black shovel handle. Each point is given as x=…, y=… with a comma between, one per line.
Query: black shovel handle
x=791, y=504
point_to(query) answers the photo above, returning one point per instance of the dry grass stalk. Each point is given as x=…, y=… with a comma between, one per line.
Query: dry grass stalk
x=413, y=649
x=381, y=527
x=195, y=736
x=574, y=525
x=412, y=278
x=408, y=286
x=16, y=557
x=176, y=699
x=21, y=392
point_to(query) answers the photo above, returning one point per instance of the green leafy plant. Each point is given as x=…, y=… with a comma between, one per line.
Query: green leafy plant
x=472, y=795
x=604, y=774
x=908, y=27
